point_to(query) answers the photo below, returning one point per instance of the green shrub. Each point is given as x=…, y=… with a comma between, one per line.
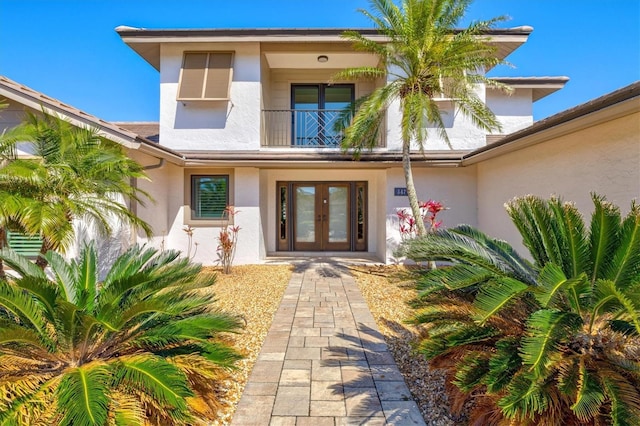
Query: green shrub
x=555, y=341
x=141, y=347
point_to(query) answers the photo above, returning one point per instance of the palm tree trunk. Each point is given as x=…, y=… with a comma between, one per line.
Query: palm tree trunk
x=411, y=188
x=3, y=239
x=41, y=261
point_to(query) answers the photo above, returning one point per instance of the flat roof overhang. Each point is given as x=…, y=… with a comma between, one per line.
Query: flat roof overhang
x=146, y=42
x=540, y=86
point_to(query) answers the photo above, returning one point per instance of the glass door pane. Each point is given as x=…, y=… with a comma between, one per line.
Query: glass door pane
x=338, y=220
x=336, y=99
x=306, y=103
x=305, y=212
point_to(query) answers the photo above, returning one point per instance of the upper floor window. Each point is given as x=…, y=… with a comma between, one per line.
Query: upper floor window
x=205, y=76
x=317, y=108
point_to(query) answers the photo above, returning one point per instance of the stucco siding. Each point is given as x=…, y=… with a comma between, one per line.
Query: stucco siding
x=220, y=125
x=604, y=159
x=461, y=131
x=514, y=111
x=454, y=187
x=160, y=185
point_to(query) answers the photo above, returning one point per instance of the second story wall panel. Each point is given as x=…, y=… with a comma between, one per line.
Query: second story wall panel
x=211, y=125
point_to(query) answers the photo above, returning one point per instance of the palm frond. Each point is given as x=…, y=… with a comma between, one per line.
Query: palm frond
x=604, y=236
x=24, y=306
x=20, y=264
x=624, y=267
x=65, y=275
x=456, y=277
x=472, y=371
x=553, y=283
x=127, y=411
x=452, y=246
x=83, y=396
x=157, y=378
x=495, y=296
x=590, y=397
x=87, y=278
x=524, y=398
x=624, y=397
x=540, y=231
x=503, y=365
x=546, y=328
x=573, y=235
x=609, y=298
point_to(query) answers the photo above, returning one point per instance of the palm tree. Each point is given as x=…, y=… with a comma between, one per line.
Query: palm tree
x=74, y=174
x=556, y=341
x=144, y=346
x=425, y=58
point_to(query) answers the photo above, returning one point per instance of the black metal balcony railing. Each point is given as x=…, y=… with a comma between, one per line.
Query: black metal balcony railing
x=301, y=128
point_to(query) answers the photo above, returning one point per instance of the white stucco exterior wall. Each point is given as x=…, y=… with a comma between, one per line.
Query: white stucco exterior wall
x=224, y=125
x=514, y=111
x=604, y=159
x=454, y=187
x=247, y=202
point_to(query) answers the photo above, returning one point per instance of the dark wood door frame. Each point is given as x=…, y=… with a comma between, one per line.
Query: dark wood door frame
x=356, y=217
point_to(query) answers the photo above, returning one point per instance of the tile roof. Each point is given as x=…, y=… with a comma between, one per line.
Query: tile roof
x=128, y=137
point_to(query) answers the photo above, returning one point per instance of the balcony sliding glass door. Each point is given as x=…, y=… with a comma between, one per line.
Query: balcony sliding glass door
x=316, y=108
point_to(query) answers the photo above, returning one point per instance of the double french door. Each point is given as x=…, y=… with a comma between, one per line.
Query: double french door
x=322, y=216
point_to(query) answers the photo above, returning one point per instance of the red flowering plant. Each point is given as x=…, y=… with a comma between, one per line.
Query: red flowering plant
x=429, y=215
x=227, y=241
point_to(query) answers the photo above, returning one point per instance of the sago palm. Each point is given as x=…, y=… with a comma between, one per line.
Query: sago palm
x=73, y=174
x=556, y=341
x=144, y=346
x=424, y=58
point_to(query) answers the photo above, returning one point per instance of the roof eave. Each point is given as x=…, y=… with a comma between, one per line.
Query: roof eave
x=609, y=107
x=146, y=42
x=371, y=160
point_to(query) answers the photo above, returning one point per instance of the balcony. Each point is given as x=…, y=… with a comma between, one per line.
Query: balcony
x=308, y=128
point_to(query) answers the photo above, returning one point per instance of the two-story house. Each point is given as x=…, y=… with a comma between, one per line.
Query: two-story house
x=250, y=113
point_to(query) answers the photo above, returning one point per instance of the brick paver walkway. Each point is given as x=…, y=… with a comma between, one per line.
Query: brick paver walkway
x=324, y=362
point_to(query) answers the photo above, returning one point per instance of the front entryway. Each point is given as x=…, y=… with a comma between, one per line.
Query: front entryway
x=322, y=216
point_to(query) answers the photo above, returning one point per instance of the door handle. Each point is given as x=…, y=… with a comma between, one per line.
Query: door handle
x=319, y=218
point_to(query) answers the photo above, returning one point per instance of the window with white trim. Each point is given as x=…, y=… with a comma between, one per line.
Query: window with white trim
x=209, y=196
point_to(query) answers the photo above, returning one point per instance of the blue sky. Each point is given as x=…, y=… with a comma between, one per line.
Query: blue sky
x=68, y=49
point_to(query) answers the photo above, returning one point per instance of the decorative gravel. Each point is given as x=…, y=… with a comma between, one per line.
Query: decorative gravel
x=254, y=292
x=387, y=298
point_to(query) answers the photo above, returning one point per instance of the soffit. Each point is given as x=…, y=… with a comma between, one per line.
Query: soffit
x=540, y=86
x=146, y=42
x=309, y=60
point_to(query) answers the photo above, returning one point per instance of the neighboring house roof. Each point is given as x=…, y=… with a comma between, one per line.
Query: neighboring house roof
x=40, y=102
x=147, y=129
x=608, y=107
x=146, y=42
x=541, y=86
